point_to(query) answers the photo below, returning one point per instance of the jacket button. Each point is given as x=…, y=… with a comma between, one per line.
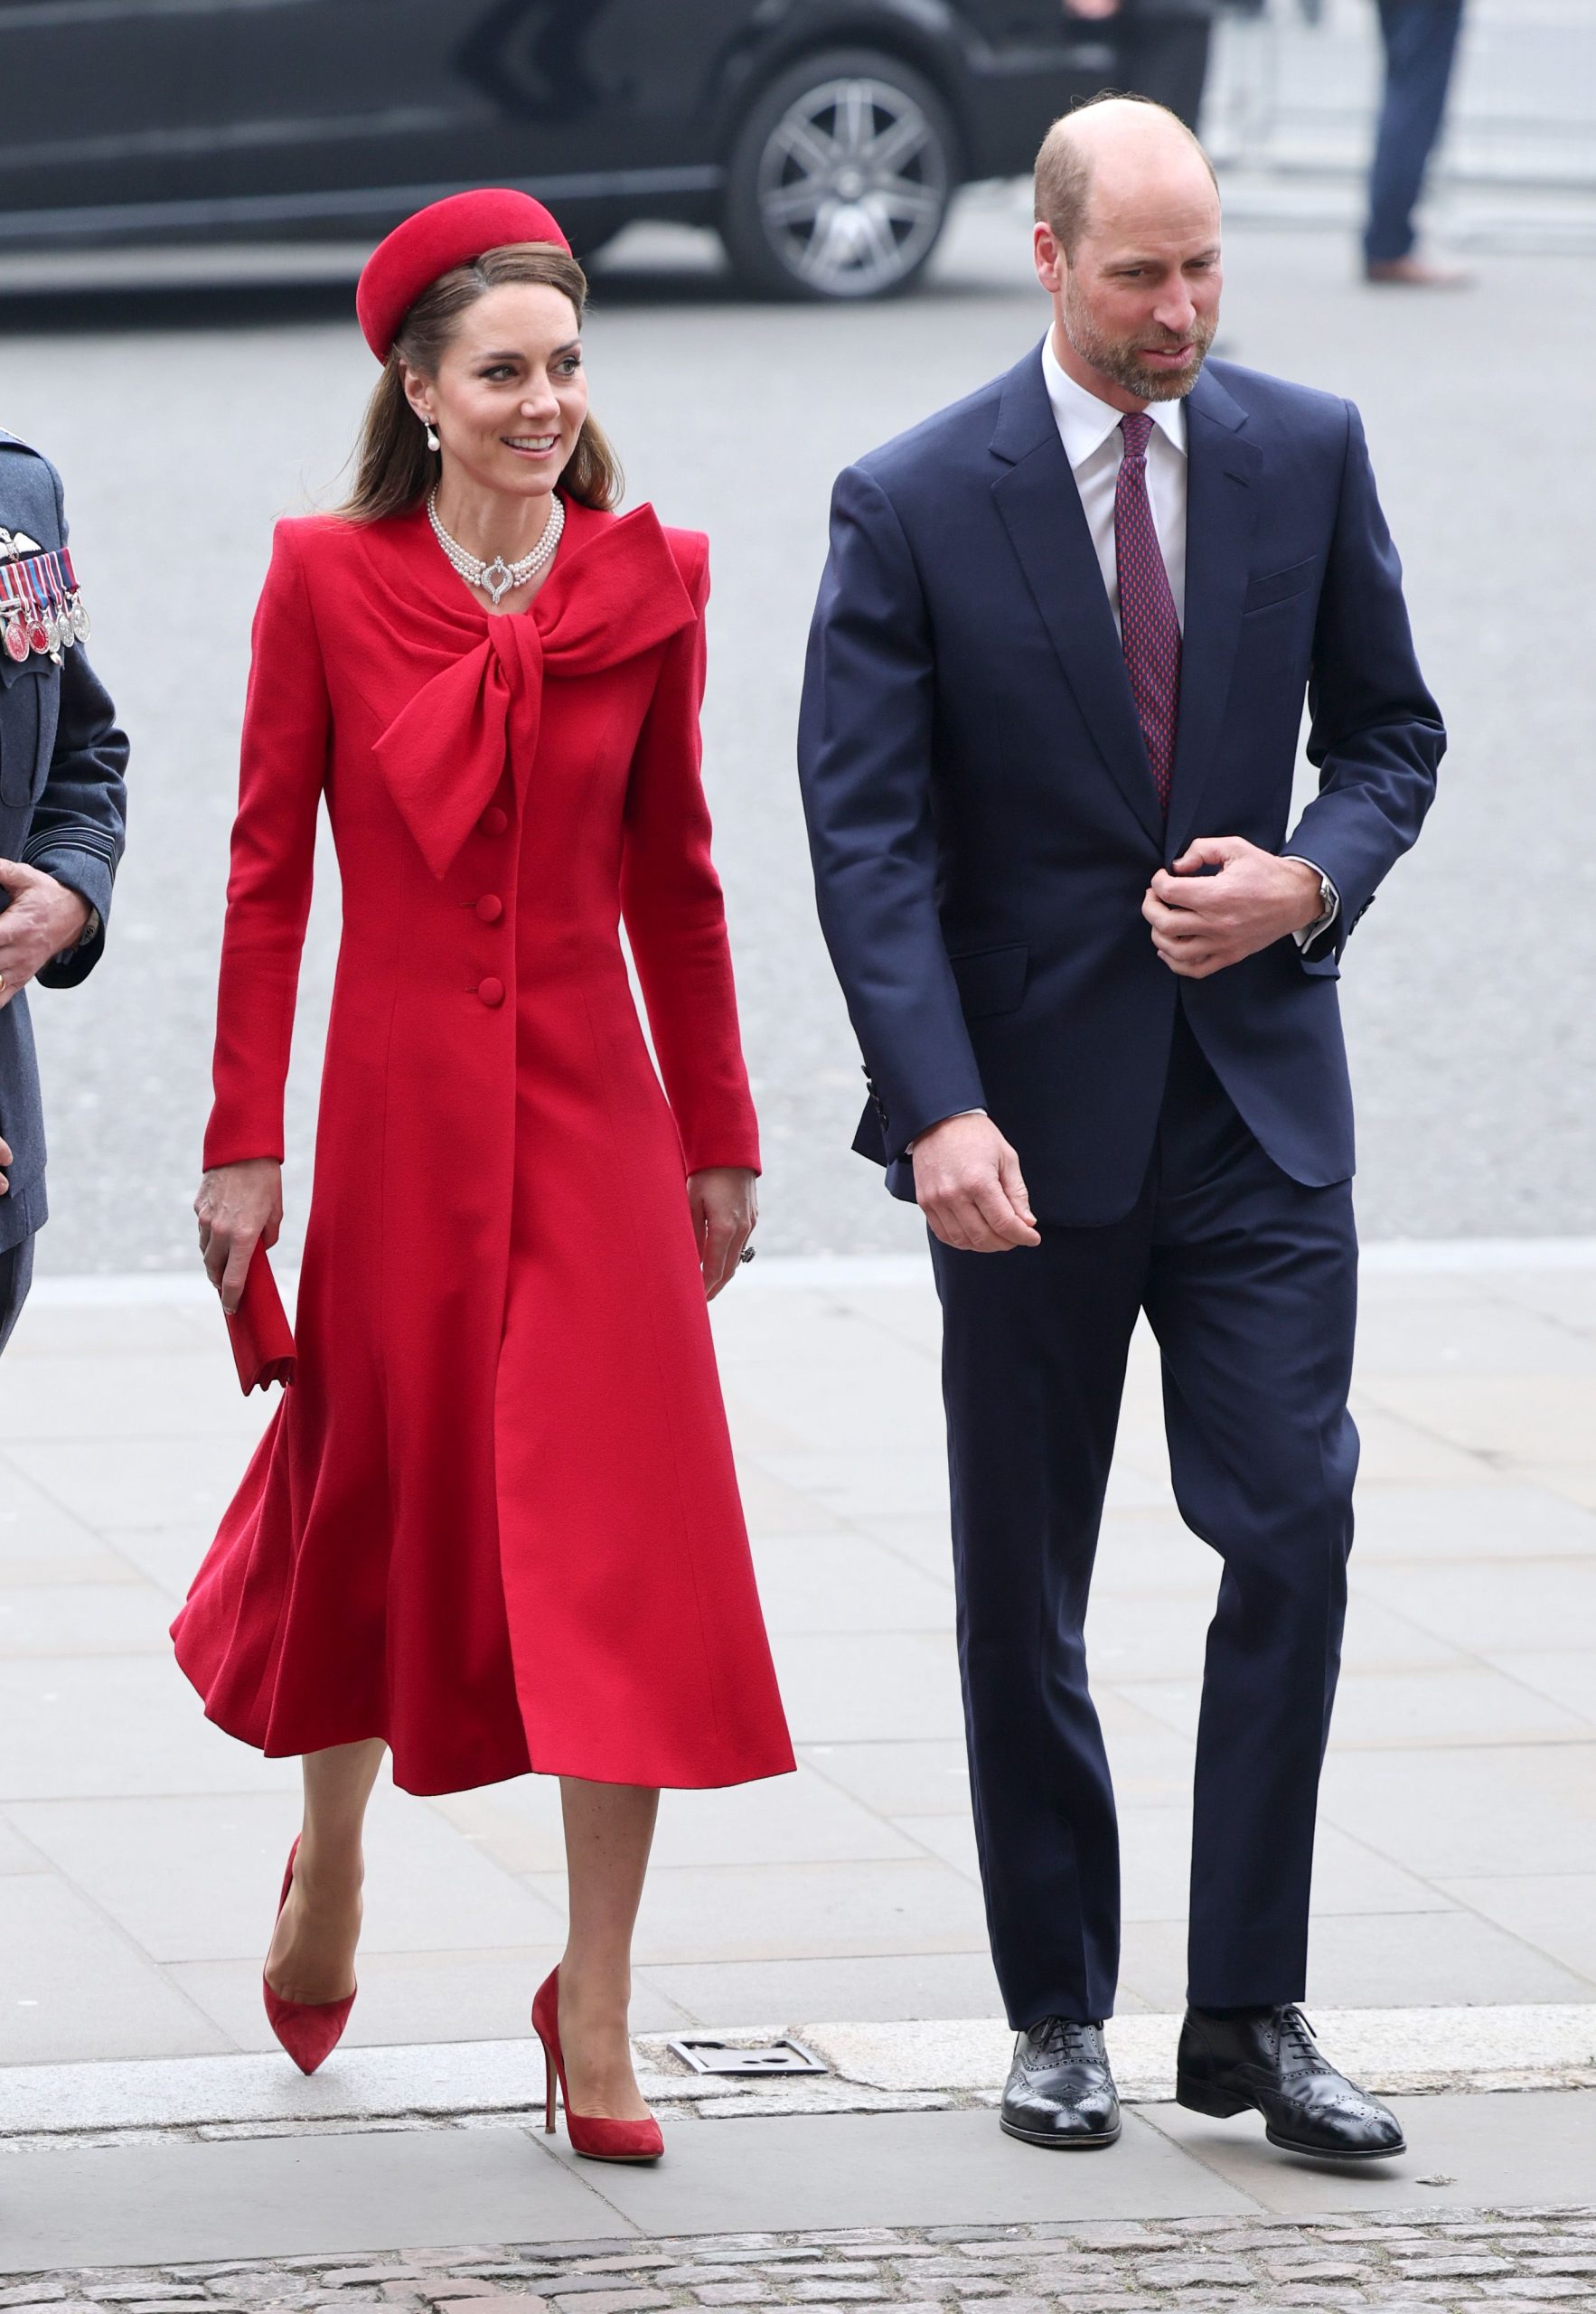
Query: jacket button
x=492, y=992
x=490, y=907
x=494, y=821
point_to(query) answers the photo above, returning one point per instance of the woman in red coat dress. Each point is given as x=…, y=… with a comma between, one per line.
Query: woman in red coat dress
x=494, y=1525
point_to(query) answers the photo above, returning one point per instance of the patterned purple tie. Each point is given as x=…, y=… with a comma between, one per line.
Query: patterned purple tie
x=1150, y=630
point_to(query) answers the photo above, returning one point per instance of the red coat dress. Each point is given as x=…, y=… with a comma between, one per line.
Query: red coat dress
x=495, y=1519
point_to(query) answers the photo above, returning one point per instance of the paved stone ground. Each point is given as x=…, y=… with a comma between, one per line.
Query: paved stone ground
x=1510, y=2260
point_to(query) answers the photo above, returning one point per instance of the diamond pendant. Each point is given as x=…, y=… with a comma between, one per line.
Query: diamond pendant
x=498, y=578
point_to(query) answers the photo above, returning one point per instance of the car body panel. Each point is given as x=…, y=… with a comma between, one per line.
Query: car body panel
x=157, y=120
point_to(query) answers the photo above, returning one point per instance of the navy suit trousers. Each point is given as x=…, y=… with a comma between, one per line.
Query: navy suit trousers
x=16, y=1272
x=1249, y=1283
x=1420, y=40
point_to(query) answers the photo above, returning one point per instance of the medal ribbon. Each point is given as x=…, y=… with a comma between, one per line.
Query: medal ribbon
x=39, y=595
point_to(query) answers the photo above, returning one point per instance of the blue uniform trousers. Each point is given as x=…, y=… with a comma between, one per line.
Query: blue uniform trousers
x=16, y=1272
x=1421, y=40
x=1249, y=1282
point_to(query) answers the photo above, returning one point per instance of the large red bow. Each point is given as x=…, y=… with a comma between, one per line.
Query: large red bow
x=443, y=754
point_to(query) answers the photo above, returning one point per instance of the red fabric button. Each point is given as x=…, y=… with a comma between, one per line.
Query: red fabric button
x=490, y=907
x=494, y=821
x=492, y=992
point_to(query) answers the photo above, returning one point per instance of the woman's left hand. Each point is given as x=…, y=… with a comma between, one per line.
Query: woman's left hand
x=725, y=1207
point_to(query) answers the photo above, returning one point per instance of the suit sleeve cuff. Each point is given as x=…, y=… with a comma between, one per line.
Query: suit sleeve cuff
x=84, y=868
x=1309, y=935
x=909, y=1145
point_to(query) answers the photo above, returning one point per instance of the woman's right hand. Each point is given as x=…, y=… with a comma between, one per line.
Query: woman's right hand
x=239, y=1207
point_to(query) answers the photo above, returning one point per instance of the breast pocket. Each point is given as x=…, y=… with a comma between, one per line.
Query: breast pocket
x=991, y=981
x=27, y=729
x=1280, y=585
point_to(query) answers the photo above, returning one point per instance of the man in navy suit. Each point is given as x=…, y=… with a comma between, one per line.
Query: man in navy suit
x=1049, y=727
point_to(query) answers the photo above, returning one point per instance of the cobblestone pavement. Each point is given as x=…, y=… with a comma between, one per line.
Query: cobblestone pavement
x=1507, y=2260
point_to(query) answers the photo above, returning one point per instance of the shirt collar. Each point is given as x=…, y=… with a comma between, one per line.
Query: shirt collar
x=1085, y=423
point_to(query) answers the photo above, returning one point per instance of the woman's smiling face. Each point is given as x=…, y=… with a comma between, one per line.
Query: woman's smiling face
x=510, y=397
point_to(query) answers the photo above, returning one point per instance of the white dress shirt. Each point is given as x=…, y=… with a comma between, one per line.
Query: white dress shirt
x=1094, y=445
x=1090, y=432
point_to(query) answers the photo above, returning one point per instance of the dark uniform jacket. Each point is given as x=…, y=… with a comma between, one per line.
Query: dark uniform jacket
x=62, y=809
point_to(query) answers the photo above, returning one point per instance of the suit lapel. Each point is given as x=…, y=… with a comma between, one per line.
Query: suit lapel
x=1221, y=511
x=1040, y=507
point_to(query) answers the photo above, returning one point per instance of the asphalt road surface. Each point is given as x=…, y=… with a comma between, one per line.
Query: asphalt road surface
x=184, y=425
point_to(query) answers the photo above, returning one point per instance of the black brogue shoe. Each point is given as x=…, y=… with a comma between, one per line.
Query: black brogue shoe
x=1270, y=2062
x=1060, y=2092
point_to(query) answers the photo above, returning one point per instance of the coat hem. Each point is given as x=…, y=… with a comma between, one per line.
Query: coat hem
x=649, y=1778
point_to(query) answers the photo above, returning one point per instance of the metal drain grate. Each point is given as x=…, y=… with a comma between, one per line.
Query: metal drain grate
x=784, y=2056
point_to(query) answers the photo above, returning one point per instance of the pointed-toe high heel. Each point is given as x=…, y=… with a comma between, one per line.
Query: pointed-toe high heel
x=309, y=2030
x=595, y=2135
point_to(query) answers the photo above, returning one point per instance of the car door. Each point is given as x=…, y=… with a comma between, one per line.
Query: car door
x=118, y=113
x=152, y=116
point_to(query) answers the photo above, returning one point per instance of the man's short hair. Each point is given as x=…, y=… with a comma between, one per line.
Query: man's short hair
x=1064, y=168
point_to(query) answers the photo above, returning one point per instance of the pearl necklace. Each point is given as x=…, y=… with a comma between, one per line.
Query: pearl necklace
x=497, y=578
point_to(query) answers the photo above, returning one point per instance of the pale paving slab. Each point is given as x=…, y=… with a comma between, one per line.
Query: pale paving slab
x=134, y=1859
x=1515, y=2047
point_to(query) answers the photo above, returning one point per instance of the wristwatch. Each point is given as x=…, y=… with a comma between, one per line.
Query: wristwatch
x=1330, y=901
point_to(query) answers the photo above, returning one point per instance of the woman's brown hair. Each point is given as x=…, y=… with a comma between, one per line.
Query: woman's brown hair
x=394, y=468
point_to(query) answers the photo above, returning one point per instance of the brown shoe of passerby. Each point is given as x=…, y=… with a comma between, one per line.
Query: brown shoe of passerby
x=1415, y=272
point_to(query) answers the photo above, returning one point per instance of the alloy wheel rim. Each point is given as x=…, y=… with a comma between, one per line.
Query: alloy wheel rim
x=852, y=186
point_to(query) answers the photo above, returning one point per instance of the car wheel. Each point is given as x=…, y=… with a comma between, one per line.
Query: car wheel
x=840, y=180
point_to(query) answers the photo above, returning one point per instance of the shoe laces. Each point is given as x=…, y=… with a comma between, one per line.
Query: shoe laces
x=1065, y=2040
x=1299, y=2040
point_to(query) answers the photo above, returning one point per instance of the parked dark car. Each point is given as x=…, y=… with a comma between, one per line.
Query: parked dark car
x=823, y=137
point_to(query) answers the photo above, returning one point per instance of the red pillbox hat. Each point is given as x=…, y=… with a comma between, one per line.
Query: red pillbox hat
x=434, y=240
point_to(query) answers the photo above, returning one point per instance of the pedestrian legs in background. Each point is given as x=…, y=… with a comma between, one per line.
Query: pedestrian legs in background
x=1421, y=42
x=16, y=1272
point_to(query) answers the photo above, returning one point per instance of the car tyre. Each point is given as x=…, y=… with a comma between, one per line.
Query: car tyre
x=840, y=180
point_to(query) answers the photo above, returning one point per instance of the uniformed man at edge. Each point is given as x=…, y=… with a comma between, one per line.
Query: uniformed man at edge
x=63, y=823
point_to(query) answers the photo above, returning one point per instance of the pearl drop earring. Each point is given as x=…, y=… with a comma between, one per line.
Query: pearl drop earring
x=432, y=440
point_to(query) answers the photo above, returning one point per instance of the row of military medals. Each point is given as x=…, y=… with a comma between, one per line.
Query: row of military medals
x=40, y=603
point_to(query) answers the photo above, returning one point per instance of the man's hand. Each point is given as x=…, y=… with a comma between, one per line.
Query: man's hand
x=237, y=1208
x=968, y=1183
x=725, y=1207
x=44, y=919
x=4, y=1159
x=1202, y=923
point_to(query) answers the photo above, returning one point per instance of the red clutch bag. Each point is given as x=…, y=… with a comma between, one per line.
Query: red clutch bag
x=263, y=1344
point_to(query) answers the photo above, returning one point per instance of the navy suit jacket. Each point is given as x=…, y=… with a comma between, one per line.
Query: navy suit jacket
x=62, y=806
x=981, y=812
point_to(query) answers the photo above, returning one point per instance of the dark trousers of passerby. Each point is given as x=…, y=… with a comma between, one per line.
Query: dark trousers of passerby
x=16, y=1271
x=1166, y=58
x=1421, y=38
